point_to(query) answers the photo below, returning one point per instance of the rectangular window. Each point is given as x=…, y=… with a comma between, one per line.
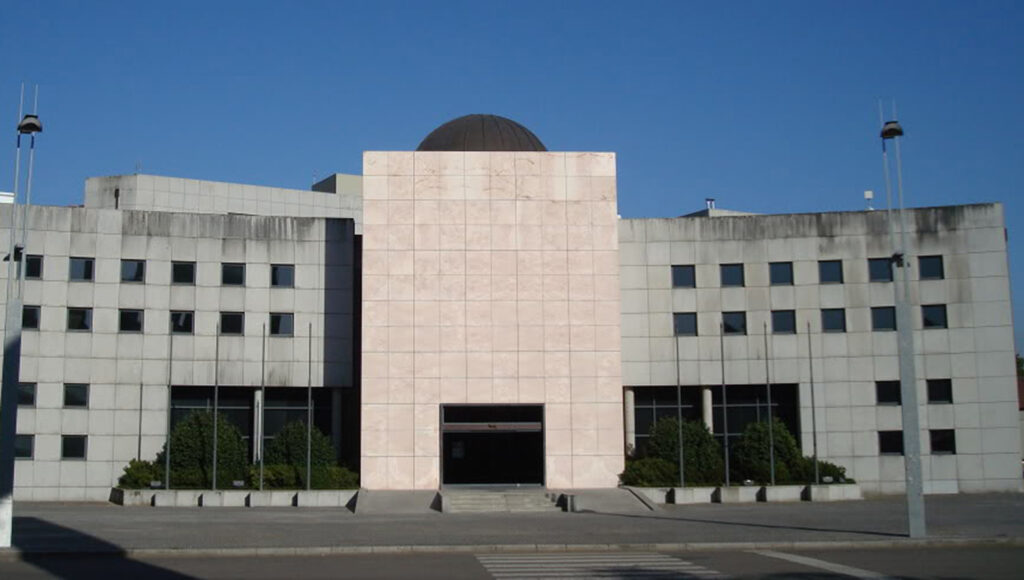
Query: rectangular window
x=76, y=395
x=890, y=442
x=888, y=393
x=232, y=274
x=33, y=267
x=282, y=324
x=282, y=276
x=734, y=322
x=732, y=274
x=784, y=321
x=30, y=317
x=830, y=271
x=26, y=394
x=780, y=273
x=883, y=318
x=80, y=319
x=182, y=321
x=940, y=391
x=880, y=269
x=183, y=273
x=833, y=320
x=232, y=323
x=80, y=269
x=934, y=316
x=684, y=277
x=133, y=270
x=943, y=441
x=930, y=268
x=24, y=446
x=72, y=446
x=684, y=323
x=129, y=320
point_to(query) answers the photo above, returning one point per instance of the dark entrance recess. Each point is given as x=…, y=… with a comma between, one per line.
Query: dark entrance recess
x=492, y=444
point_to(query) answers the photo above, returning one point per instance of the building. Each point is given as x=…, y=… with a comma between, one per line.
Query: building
x=475, y=312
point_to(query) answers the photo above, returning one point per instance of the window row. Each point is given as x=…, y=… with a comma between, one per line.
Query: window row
x=829, y=272
x=940, y=442
x=181, y=321
x=940, y=391
x=231, y=273
x=883, y=318
x=76, y=395
x=71, y=446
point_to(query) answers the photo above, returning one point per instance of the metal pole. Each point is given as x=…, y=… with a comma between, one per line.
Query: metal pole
x=771, y=416
x=263, y=397
x=138, y=451
x=216, y=400
x=309, y=412
x=725, y=405
x=814, y=408
x=167, y=439
x=679, y=416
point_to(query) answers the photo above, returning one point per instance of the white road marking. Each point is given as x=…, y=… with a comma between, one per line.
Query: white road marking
x=597, y=565
x=821, y=564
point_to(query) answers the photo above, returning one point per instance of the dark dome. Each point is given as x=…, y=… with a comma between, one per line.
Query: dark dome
x=481, y=133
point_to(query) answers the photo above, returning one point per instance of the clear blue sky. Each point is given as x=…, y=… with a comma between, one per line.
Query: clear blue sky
x=767, y=106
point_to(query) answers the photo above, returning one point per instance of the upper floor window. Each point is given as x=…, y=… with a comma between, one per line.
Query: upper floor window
x=26, y=394
x=232, y=323
x=232, y=274
x=890, y=442
x=940, y=390
x=182, y=321
x=183, y=273
x=943, y=441
x=784, y=321
x=930, y=268
x=830, y=271
x=880, y=269
x=780, y=273
x=833, y=319
x=129, y=320
x=133, y=270
x=282, y=324
x=684, y=323
x=80, y=269
x=282, y=275
x=24, y=446
x=888, y=393
x=30, y=317
x=934, y=316
x=73, y=446
x=33, y=267
x=76, y=395
x=883, y=318
x=734, y=322
x=684, y=277
x=80, y=319
x=732, y=274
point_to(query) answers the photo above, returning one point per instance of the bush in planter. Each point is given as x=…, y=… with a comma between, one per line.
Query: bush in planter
x=650, y=472
x=139, y=474
x=702, y=453
x=750, y=455
x=825, y=469
x=286, y=462
x=192, y=453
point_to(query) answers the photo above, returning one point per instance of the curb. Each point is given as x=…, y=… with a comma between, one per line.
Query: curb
x=19, y=554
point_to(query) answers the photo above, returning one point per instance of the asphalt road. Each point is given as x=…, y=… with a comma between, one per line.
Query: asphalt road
x=979, y=561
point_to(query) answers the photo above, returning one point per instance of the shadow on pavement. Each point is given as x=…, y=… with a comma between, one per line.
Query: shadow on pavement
x=67, y=553
x=752, y=524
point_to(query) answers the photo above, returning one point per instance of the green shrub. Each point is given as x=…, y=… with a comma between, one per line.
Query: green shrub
x=650, y=472
x=750, y=457
x=138, y=474
x=702, y=454
x=334, y=477
x=278, y=476
x=192, y=453
x=287, y=451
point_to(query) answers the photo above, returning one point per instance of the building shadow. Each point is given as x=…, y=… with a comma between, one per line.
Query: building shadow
x=67, y=553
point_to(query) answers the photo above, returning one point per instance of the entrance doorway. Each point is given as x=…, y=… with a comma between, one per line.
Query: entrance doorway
x=492, y=444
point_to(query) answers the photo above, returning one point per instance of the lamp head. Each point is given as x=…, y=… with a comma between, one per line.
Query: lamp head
x=891, y=129
x=30, y=124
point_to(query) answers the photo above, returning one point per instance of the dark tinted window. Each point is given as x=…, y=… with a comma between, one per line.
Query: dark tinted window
x=232, y=274
x=33, y=267
x=732, y=274
x=880, y=269
x=129, y=320
x=943, y=441
x=940, y=391
x=282, y=275
x=930, y=268
x=685, y=323
x=232, y=323
x=883, y=318
x=182, y=321
x=133, y=270
x=79, y=318
x=183, y=272
x=890, y=442
x=783, y=321
x=888, y=393
x=830, y=271
x=833, y=319
x=24, y=446
x=80, y=269
x=30, y=317
x=780, y=273
x=683, y=277
x=933, y=316
x=76, y=395
x=26, y=394
x=72, y=446
x=282, y=324
x=734, y=322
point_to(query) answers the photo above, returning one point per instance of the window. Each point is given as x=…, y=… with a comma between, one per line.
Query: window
x=880, y=269
x=888, y=393
x=183, y=273
x=80, y=319
x=33, y=267
x=26, y=394
x=76, y=395
x=940, y=391
x=930, y=268
x=830, y=271
x=232, y=323
x=883, y=318
x=30, y=317
x=784, y=321
x=732, y=274
x=734, y=322
x=282, y=276
x=282, y=324
x=780, y=273
x=24, y=446
x=129, y=320
x=72, y=446
x=943, y=441
x=890, y=442
x=182, y=321
x=933, y=316
x=684, y=277
x=833, y=320
x=232, y=274
x=133, y=270
x=684, y=323
x=80, y=269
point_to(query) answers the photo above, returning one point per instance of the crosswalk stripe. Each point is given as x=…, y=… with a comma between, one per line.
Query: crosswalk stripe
x=597, y=565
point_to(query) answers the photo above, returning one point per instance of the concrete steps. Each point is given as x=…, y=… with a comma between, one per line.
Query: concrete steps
x=497, y=502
